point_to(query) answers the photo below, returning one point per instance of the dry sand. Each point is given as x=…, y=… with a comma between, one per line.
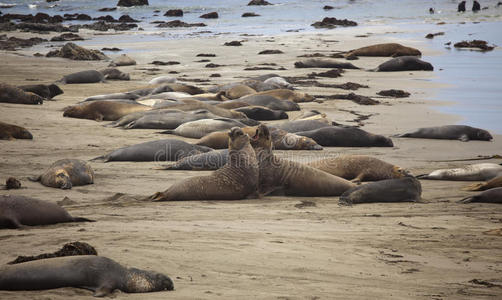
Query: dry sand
x=271, y=248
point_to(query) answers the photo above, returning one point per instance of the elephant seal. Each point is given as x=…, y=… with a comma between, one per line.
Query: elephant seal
x=212, y=160
x=280, y=82
x=236, y=180
x=196, y=105
x=346, y=137
x=450, y=132
x=11, y=132
x=236, y=92
x=12, y=94
x=167, y=119
x=406, y=189
x=113, y=96
x=178, y=87
x=159, y=150
x=303, y=125
x=103, y=110
x=114, y=74
x=88, y=76
x=99, y=274
x=493, y=183
x=270, y=102
x=289, y=177
x=285, y=94
x=66, y=173
x=233, y=104
x=261, y=113
x=387, y=49
x=475, y=172
x=122, y=60
x=260, y=86
x=162, y=79
x=19, y=211
x=43, y=90
x=489, y=196
x=359, y=168
x=404, y=63
x=200, y=128
x=324, y=63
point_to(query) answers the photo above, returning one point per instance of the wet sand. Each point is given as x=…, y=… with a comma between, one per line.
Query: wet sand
x=270, y=248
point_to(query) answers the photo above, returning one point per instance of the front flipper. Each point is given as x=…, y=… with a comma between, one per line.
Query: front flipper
x=103, y=291
x=464, y=138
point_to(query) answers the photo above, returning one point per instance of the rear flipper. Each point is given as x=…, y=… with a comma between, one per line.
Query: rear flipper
x=469, y=199
x=464, y=138
x=474, y=187
x=422, y=176
x=81, y=219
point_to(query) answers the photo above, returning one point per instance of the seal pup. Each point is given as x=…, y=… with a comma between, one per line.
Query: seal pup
x=66, y=173
x=19, y=211
x=212, y=160
x=96, y=273
x=490, y=196
x=406, y=189
x=492, y=183
x=475, y=172
x=346, y=137
x=199, y=128
x=12, y=94
x=159, y=150
x=11, y=132
x=385, y=50
x=359, y=168
x=236, y=180
x=450, y=132
x=45, y=91
x=292, y=178
x=103, y=110
x=404, y=63
x=261, y=113
x=88, y=76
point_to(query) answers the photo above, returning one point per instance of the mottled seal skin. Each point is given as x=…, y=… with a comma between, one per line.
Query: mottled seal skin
x=406, y=189
x=475, y=172
x=159, y=150
x=324, y=63
x=236, y=92
x=285, y=94
x=12, y=94
x=303, y=125
x=200, y=128
x=490, y=196
x=359, y=168
x=450, y=132
x=19, y=211
x=103, y=110
x=96, y=273
x=11, y=132
x=346, y=137
x=404, y=63
x=261, y=113
x=388, y=49
x=66, y=173
x=88, y=76
x=493, y=183
x=212, y=160
x=270, y=102
x=292, y=178
x=43, y=90
x=238, y=179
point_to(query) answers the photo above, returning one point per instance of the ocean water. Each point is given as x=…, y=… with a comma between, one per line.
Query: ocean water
x=472, y=78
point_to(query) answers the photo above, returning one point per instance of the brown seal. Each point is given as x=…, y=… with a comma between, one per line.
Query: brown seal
x=232, y=105
x=291, y=177
x=103, y=110
x=236, y=180
x=285, y=94
x=493, y=183
x=11, y=132
x=195, y=105
x=387, y=49
x=66, y=173
x=236, y=92
x=359, y=168
x=12, y=94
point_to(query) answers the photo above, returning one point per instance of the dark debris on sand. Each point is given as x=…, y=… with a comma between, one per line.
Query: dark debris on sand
x=480, y=44
x=333, y=22
x=69, y=249
x=334, y=73
x=359, y=99
x=394, y=93
x=271, y=52
x=233, y=43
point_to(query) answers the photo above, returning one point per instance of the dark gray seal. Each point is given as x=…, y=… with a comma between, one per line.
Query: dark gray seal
x=66, y=173
x=12, y=94
x=88, y=76
x=212, y=160
x=324, y=63
x=19, y=211
x=96, y=273
x=450, y=132
x=346, y=137
x=270, y=102
x=43, y=90
x=404, y=63
x=11, y=132
x=160, y=150
x=261, y=113
x=301, y=125
x=489, y=196
x=406, y=189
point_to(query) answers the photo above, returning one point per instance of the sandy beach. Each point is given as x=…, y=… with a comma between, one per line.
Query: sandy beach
x=270, y=248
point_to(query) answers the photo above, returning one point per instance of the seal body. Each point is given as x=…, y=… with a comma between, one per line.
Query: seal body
x=12, y=94
x=490, y=196
x=324, y=63
x=475, y=172
x=406, y=189
x=164, y=119
x=285, y=94
x=88, y=76
x=66, y=173
x=346, y=137
x=450, y=132
x=18, y=211
x=10, y=132
x=200, y=128
x=303, y=125
x=493, y=183
x=122, y=60
x=99, y=274
x=359, y=168
x=212, y=160
x=236, y=180
x=387, y=49
x=262, y=113
x=106, y=110
x=270, y=102
x=237, y=91
x=404, y=63
x=43, y=90
x=159, y=150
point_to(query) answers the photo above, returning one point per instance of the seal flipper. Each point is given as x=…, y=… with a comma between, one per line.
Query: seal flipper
x=422, y=176
x=469, y=199
x=35, y=178
x=81, y=219
x=170, y=131
x=464, y=138
x=103, y=291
